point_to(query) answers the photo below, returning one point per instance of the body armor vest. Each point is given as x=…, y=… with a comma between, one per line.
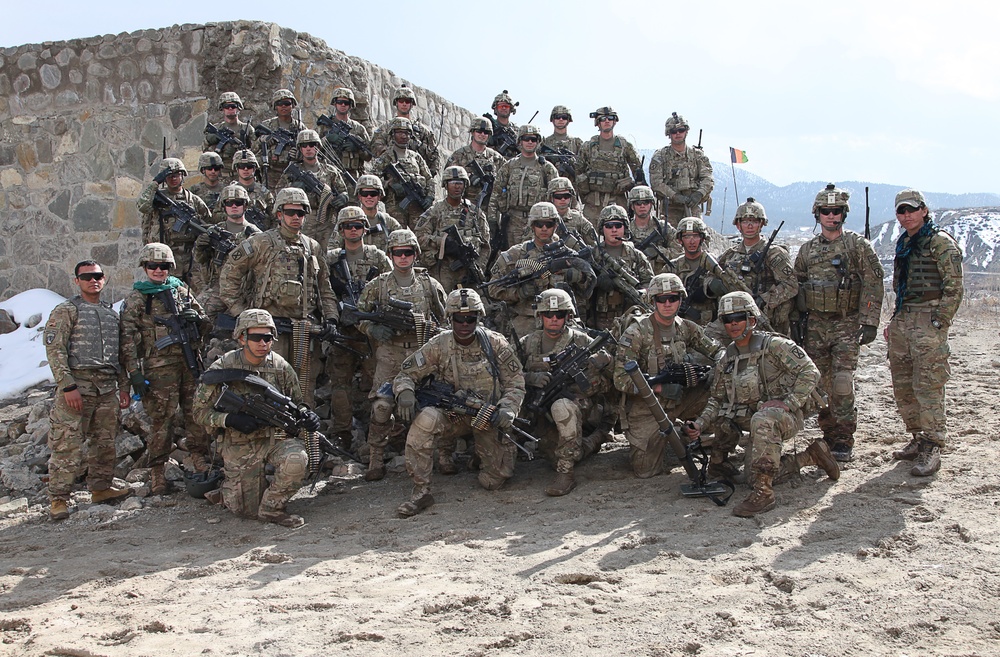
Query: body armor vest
x=833, y=279
x=607, y=167
x=93, y=344
x=924, y=281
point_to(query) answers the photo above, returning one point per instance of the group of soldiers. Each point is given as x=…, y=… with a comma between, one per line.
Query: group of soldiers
x=513, y=311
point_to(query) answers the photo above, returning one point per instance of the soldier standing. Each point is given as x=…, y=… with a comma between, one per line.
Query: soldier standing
x=282, y=271
x=326, y=198
x=608, y=302
x=351, y=155
x=664, y=246
x=369, y=193
x=208, y=190
x=521, y=182
x=559, y=427
x=571, y=225
x=164, y=378
x=248, y=446
x=927, y=280
x=561, y=117
x=840, y=302
x=406, y=207
x=275, y=150
x=680, y=176
x=230, y=134
x=258, y=208
x=421, y=138
x=477, y=151
x=351, y=267
x=607, y=166
x=769, y=276
x=158, y=219
x=81, y=345
x=441, y=251
x=403, y=283
x=505, y=133
x=470, y=358
x=697, y=271
x=656, y=341
x=761, y=384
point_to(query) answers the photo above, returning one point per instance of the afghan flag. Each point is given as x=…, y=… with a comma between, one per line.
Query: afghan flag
x=738, y=156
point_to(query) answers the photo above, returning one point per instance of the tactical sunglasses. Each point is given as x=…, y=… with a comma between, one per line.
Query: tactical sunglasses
x=667, y=298
x=91, y=276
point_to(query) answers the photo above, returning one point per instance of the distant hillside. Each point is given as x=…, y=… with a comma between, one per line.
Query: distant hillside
x=977, y=232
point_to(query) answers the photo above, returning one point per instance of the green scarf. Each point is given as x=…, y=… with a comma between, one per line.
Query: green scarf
x=149, y=287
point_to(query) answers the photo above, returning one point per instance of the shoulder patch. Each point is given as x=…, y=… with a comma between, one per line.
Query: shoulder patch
x=50, y=337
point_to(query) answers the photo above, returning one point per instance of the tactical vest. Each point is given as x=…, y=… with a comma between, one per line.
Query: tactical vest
x=924, y=282
x=421, y=294
x=607, y=167
x=833, y=275
x=93, y=344
x=748, y=380
x=527, y=184
x=613, y=300
x=288, y=277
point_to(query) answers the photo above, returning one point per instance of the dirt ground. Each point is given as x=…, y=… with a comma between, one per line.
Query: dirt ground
x=879, y=563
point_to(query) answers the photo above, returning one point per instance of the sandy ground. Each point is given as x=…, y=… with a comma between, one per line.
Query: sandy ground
x=879, y=563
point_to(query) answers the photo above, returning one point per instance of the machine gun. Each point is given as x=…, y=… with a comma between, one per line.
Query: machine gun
x=621, y=278
x=442, y=395
x=397, y=315
x=225, y=324
x=527, y=270
x=687, y=375
x=687, y=454
x=407, y=188
x=567, y=367
x=226, y=136
x=281, y=137
x=734, y=283
x=563, y=159
x=503, y=139
x=183, y=213
x=342, y=130
x=256, y=216
x=182, y=332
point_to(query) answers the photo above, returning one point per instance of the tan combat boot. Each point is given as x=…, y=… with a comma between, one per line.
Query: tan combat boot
x=157, y=482
x=818, y=453
x=562, y=484
x=111, y=494
x=59, y=510
x=376, y=464
x=928, y=460
x=910, y=451
x=760, y=500
x=419, y=500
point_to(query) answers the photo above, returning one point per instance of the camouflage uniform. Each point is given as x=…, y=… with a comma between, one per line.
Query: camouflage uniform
x=158, y=227
x=377, y=238
x=412, y=165
x=927, y=279
x=521, y=182
x=342, y=365
x=322, y=223
x=838, y=300
x=352, y=157
x=576, y=230
x=430, y=233
x=82, y=348
x=244, y=490
x=422, y=143
x=653, y=347
x=611, y=304
x=262, y=200
x=242, y=130
x=489, y=160
x=497, y=380
x=672, y=173
x=661, y=250
x=171, y=382
x=774, y=286
x=210, y=195
x=211, y=270
x=698, y=280
x=266, y=151
x=604, y=173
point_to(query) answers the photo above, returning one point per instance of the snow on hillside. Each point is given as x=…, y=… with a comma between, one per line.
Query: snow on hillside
x=976, y=231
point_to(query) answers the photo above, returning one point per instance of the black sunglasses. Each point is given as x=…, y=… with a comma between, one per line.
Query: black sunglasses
x=91, y=276
x=613, y=224
x=559, y=314
x=734, y=318
x=531, y=139
x=369, y=192
x=233, y=202
x=667, y=298
x=260, y=337
x=403, y=253
x=465, y=319
x=544, y=224
x=564, y=117
x=284, y=103
x=352, y=226
x=162, y=266
x=562, y=197
x=293, y=213
x=829, y=211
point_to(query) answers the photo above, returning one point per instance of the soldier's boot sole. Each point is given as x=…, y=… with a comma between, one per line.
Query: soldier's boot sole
x=414, y=506
x=110, y=495
x=281, y=518
x=59, y=510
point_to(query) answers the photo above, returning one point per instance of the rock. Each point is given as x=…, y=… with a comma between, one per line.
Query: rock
x=397, y=464
x=127, y=444
x=124, y=468
x=7, y=323
x=19, y=505
x=34, y=320
x=131, y=504
x=15, y=476
x=173, y=472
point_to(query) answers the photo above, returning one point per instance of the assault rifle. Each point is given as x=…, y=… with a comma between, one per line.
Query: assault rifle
x=343, y=283
x=868, y=217
x=734, y=283
x=621, y=278
x=281, y=137
x=183, y=213
x=756, y=261
x=503, y=139
x=349, y=179
x=225, y=324
x=256, y=216
x=563, y=158
x=649, y=244
x=464, y=254
x=226, y=136
x=567, y=367
x=309, y=181
x=397, y=315
x=640, y=173
x=487, y=182
x=182, y=332
x=442, y=395
x=527, y=270
x=687, y=375
x=406, y=187
x=342, y=130
x=687, y=454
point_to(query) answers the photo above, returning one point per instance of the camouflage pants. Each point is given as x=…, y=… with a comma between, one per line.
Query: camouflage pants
x=496, y=455
x=769, y=428
x=448, y=278
x=918, y=362
x=560, y=434
x=245, y=490
x=674, y=212
x=169, y=386
x=648, y=446
x=389, y=358
x=341, y=366
x=594, y=202
x=98, y=424
x=832, y=343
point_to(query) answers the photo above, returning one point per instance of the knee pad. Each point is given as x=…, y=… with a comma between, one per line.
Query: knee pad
x=561, y=410
x=843, y=384
x=382, y=410
x=429, y=420
x=296, y=465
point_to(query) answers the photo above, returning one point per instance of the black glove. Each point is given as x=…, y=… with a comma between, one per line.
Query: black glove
x=527, y=290
x=451, y=247
x=605, y=282
x=560, y=264
x=679, y=199
x=242, y=422
x=573, y=275
x=161, y=177
x=190, y=315
x=537, y=379
x=695, y=198
x=139, y=383
x=330, y=329
x=380, y=333
x=406, y=405
x=717, y=288
x=867, y=333
x=310, y=421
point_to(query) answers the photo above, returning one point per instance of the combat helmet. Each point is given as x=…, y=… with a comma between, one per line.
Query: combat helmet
x=352, y=213
x=401, y=237
x=482, y=125
x=692, y=225
x=400, y=123
x=343, y=92
x=541, y=211
x=738, y=302
x=307, y=136
x=368, y=181
x=253, y=318
x=230, y=97
x=283, y=94
x=612, y=213
x=245, y=156
x=603, y=111
x=675, y=122
x=454, y=173
x=403, y=93
x=554, y=299
x=832, y=197
x=560, y=184
x=210, y=159
x=750, y=210
x=173, y=165
x=234, y=191
x=463, y=300
x=289, y=195
x=526, y=130
x=664, y=284
x=156, y=252
x=560, y=109
x=640, y=193
x=504, y=97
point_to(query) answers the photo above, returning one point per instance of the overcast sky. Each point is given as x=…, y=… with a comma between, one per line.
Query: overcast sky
x=893, y=92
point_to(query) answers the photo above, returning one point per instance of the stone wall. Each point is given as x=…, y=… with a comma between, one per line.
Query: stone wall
x=82, y=124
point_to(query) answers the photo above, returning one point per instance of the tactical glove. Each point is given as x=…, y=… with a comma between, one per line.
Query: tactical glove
x=161, y=177
x=717, y=288
x=573, y=275
x=679, y=199
x=452, y=248
x=537, y=379
x=505, y=418
x=406, y=405
x=600, y=361
x=139, y=383
x=695, y=198
x=242, y=422
x=605, y=282
x=310, y=421
x=380, y=333
x=190, y=315
x=527, y=291
x=867, y=333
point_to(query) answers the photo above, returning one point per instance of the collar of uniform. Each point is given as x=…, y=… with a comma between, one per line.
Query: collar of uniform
x=288, y=235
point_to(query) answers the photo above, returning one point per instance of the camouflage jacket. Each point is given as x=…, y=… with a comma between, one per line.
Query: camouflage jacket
x=489, y=160
x=697, y=277
x=534, y=356
x=362, y=268
x=424, y=292
x=242, y=131
x=267, y=146
x=140, y=330
x=662, y=249
x=87, y=355
x=422, y=142
x=432, y=224
x=322, y=222
x=606, y=170
x=206, y=255
x=261, y=200
x=634, y=262
x=574, y=227
x=210, y=195
x=516, y=300
x=412, y=164
x=521, y=182
x=381, y=225
x=931, y=277
x=353, y=157
x=772, y=280
x=673, y=173
x=158, y=227
x=841, y=276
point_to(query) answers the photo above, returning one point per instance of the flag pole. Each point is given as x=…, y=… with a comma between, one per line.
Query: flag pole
x=732, y=165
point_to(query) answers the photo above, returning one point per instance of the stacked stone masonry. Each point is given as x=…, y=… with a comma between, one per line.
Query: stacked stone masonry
x=82, y=124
